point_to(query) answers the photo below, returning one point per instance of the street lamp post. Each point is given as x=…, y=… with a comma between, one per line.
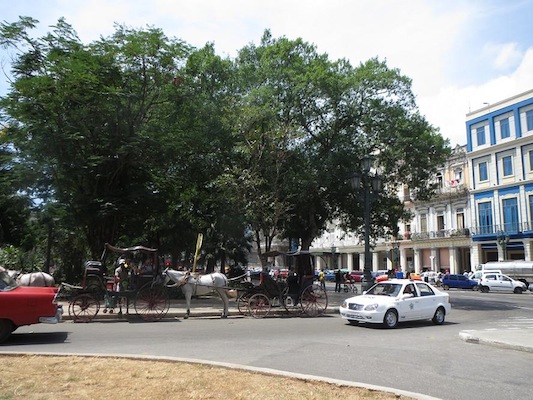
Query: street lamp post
x=395, y=255
x=503, y=241
x=370, y=184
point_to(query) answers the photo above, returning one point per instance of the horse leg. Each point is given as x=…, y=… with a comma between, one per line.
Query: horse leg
x=187, y=290
x=224, y=297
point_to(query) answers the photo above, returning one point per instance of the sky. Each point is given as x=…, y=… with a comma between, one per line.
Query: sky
x=460, y=54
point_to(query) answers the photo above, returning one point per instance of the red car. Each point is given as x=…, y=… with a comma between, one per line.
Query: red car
x=25, y=305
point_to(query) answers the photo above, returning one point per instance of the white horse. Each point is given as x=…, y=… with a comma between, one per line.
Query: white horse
x=32, y=278
x=199, y=285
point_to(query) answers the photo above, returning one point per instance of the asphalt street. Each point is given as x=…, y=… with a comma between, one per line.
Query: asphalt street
x=482, y=333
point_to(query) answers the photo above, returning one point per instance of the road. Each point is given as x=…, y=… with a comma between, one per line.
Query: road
x=418, y=357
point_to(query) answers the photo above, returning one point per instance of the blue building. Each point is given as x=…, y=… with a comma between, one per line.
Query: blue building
x=500, y=160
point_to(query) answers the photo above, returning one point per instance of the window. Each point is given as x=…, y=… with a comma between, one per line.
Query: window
x=439, y=180
x=510, y=215
x=483, y=172
x=531, y=161
x=423, y=223
x=440, y=222
x=485, y=217
x=530, y=227
x=460, y=220
x=480, y=132
x=507, y=162
x=505, y=132
x=529, y=120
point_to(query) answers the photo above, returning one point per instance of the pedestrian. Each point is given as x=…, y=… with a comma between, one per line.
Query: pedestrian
x=322, y=279
x=338, y=280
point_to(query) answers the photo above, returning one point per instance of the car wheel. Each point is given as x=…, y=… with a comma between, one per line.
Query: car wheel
x=391, y=318
x=446, y=287
x=6, y=327
x=440, y=315
x=518, y=290
x=484, y=289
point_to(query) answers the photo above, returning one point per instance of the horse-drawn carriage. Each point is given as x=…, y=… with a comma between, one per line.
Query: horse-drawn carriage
x=137, y=279
x=298, y=294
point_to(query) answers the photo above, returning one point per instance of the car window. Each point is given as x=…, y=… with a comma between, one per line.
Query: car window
x=385, y=289
x=490, y=277
x=409, y=289
x=462, y=278
x=424, y=289
x=505, y=278
x=453, y=278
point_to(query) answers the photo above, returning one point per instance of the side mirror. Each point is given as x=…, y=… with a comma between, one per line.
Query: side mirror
x=407, y=296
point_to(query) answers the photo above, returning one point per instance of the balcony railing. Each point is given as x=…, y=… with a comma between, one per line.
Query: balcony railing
x=443, y=233
x=508, y=229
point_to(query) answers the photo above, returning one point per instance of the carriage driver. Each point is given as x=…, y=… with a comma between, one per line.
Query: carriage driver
x=122, y=273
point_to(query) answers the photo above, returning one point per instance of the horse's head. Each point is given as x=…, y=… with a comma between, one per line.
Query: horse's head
x=171, y=275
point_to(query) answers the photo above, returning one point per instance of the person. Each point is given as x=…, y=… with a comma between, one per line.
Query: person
x=122, y=273
x=338, y=280
x=322, y=279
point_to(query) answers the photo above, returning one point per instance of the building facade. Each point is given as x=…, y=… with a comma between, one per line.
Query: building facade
x=500, y=157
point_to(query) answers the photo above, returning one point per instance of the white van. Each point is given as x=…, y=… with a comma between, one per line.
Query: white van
x=476, y=276
x=497, y=282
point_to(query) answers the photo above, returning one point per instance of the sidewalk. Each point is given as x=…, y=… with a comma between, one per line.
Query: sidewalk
x=205, y=306
x=515, y=339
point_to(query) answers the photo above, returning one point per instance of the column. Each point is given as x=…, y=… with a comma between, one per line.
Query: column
x=349, y=261
x=527, y=250
x=416, y=253
x=453, y=258
x=375, y=260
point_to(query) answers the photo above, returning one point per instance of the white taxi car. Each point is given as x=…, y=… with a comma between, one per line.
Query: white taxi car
x=397, y=300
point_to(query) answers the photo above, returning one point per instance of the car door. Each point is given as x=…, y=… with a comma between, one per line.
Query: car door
x=463, y=282
x=409, y=307
x=504, y=283
x=428, y=302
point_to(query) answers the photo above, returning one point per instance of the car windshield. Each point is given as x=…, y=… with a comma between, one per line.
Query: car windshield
x=385, y=289
x=6, y=282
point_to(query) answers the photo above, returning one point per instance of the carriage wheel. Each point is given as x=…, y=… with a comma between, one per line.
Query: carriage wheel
x=288, y=302
x=152, y=302
x=242, y=303
x=314, y=300
x=259, y=305
x=83, y=308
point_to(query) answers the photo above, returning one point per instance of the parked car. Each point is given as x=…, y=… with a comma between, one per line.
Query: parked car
x=26, y=305
x=397, y=300
x=458, y=281
x=500, y=283
x=356, y=276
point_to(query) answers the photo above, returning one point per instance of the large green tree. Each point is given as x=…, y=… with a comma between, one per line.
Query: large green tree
x=83, y=120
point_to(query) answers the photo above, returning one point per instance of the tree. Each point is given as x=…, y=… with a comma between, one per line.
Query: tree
x=96, y=104
x=323, y=117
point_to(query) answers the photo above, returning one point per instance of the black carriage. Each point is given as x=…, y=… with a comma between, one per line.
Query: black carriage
x=136, y=280
x=299, y=293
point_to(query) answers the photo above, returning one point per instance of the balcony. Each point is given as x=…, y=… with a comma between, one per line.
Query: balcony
x=516, y=228
x=444, y=233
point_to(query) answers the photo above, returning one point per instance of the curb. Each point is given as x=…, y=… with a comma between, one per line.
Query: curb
x=477, y=338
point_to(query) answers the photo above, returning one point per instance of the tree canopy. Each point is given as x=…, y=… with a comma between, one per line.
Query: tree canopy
x=138, y=137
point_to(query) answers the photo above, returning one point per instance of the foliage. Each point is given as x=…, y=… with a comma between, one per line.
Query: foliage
x=138, y=138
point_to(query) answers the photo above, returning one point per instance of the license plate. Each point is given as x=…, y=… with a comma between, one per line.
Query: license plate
x=353, y=316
